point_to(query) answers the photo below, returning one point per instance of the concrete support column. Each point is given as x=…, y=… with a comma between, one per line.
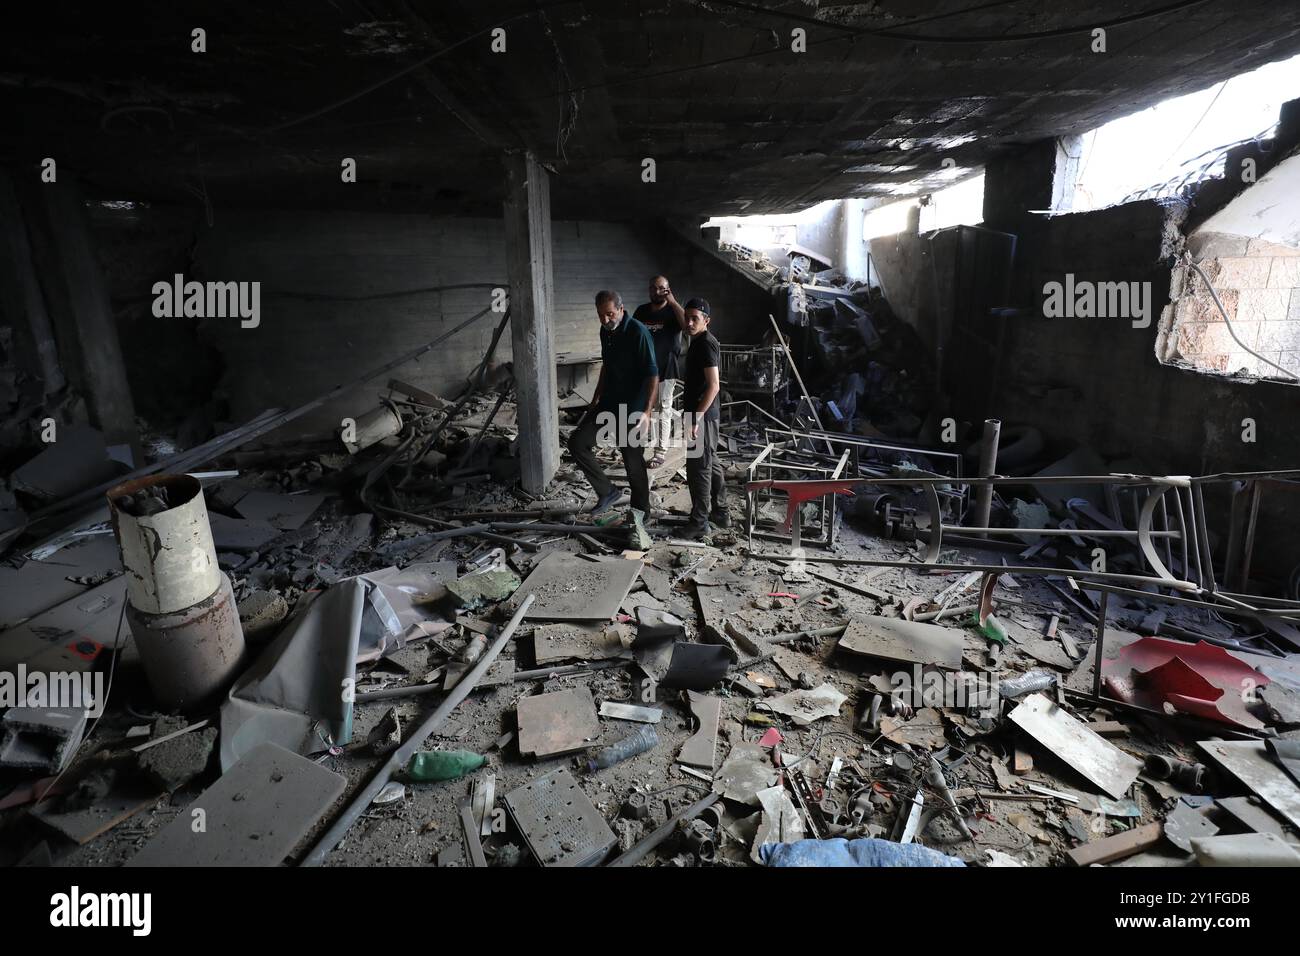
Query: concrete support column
x=85, y=290
x=20, y=292
x=529, y=266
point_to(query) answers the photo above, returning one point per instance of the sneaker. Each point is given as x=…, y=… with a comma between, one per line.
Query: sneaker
x=606, y=501
x=721, y=518
x=695, y=530
x=638, y=539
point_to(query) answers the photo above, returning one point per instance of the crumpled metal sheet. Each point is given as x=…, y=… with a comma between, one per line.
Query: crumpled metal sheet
x=1201, y=679
x=295, y=692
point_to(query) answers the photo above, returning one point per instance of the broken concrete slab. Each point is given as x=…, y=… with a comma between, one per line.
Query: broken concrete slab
x=240, y=534
x=76, y=459
x=1245, y=849
x=567, y=587
x=1099, y=761
x=483, y=587
x=909, y=642
x=925, y=729
x=805, y=706
x=43, y=583
x=580, y=641
x=71, y=635
x=700, y=749
x=174, y=762
x=558, y=723
x=286, y=512
x=260, y=613
x=254, y=815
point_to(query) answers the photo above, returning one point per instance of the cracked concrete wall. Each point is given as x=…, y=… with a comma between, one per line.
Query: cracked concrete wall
x=317, y=329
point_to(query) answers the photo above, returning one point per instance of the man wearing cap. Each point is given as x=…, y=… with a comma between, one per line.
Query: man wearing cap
x=701, y=419
x=666, y=320
x=627, y=383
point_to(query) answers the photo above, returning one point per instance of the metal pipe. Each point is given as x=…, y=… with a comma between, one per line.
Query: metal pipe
x=988, y=468
x=798, y=378
x=389, y=693
x=361, y=802
x=1101, y=643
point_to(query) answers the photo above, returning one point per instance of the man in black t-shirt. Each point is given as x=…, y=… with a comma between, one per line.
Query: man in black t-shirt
x=666, y=320
x=701, y=420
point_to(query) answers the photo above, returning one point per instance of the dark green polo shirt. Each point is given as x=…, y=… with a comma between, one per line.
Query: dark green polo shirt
x=628, y=354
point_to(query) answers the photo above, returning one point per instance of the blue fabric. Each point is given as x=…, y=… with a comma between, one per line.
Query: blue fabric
x=863, y=852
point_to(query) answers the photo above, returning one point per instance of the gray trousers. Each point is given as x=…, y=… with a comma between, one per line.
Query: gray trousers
x=704, y=474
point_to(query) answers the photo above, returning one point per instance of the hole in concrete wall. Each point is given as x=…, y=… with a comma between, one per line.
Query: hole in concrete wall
x=1181, y=141
x=1258, y=284
x=1248, y=252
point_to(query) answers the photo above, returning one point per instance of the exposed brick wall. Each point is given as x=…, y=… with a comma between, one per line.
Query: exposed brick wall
x=1258, y=284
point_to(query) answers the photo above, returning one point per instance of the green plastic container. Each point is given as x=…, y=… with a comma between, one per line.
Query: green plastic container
x=433, y=765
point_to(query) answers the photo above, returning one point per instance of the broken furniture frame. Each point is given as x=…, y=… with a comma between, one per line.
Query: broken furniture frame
x=868, y=457
x=1143, y=534
x=1196, y=587
x=1244, y=521
x=753, y=370
x=770, y=461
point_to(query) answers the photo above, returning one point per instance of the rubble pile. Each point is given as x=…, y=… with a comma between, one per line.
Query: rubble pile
x=519, y=688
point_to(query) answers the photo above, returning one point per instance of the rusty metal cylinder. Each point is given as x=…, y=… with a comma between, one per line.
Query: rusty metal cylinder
x=192, y=656
x=180, y=606
x=169, y=557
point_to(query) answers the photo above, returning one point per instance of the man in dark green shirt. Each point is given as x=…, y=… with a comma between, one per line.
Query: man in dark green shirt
x=629, y=380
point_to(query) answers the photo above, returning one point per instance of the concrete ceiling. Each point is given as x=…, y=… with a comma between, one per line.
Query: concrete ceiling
x=710, y=89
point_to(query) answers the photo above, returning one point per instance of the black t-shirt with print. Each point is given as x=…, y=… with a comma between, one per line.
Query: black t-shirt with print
x=667, y=335
x=703, y=353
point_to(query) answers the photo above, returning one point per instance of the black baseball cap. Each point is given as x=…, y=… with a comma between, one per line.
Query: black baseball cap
x=700, y=305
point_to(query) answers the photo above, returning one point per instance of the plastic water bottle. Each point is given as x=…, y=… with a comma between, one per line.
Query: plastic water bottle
x=638, y=743
x=1026, y=683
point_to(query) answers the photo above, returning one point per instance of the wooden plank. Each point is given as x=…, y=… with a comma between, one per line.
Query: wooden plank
x=82, y=826
x=1117, y=847
x=1099, y=761
x=1249, y=762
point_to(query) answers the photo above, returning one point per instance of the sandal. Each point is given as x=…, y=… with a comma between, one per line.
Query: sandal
x=657, y=461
